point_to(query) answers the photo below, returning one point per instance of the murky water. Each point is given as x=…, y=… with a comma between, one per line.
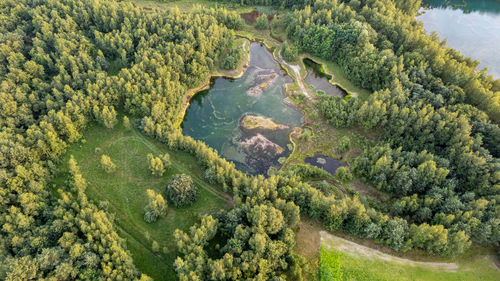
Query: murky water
x=472, y=27
x=324, y=162
x=214, y=115
x=320, y=80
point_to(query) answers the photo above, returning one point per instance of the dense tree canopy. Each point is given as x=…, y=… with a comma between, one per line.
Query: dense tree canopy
x=67, y=63
x=181, y=190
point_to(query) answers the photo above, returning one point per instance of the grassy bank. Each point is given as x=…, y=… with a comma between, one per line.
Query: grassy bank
x=344, y=260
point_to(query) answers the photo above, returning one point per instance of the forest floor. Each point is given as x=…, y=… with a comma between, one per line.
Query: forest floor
x=123, y=193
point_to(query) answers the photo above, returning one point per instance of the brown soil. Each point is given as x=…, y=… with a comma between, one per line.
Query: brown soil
x=251, y=17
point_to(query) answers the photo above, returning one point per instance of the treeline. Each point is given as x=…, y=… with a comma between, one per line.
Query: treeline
x=440, y=157
x=64, y=64
x=277, y=3
x=347, y=214
x=376, y=44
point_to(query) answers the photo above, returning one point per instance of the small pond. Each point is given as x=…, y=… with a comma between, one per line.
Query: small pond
x=318, y=78
x=247, y=119
x=324, y=162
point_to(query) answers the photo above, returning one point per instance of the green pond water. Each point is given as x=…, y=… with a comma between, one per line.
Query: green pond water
x=472, y=27
x=214, y=115
x=321, y=80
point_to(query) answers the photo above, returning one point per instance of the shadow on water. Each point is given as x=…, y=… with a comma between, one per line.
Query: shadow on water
x=317, y=77
x=214, y=115
x=324, y=162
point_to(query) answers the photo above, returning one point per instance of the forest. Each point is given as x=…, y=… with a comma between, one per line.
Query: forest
x=67, y=65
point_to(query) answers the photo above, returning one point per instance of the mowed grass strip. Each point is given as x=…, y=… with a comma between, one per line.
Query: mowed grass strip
x=346, y=261
x=124, y=192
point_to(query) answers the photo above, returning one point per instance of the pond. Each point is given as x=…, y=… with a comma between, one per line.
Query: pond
x=324, y=162
x=247, y=120
x=472, y=27
x=318, y=78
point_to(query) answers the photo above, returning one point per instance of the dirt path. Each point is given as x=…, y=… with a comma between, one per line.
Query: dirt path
x=296, y=70
x=353, y=249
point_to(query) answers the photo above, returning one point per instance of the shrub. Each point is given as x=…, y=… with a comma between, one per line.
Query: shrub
x=157, y=206
x=107, y=164
x=181, y=190
x=343, y=174
x=344, y=144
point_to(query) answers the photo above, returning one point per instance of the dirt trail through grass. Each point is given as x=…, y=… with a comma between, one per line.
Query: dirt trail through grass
x=296, y=70
x=350, y=248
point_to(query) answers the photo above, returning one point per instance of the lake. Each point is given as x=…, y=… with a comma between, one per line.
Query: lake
x=472, y=27
x=214, y=115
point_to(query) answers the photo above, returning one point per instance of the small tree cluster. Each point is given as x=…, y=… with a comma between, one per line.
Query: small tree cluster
x=107, y=164
x=262, y=23
x=343, y=174
x=158, y=165
x=289, y=52
x=344, y=144
x=157, y=206
x=181, y=190
x=106, y=116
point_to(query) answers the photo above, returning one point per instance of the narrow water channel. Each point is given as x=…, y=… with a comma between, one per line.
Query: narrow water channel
x=247, y=119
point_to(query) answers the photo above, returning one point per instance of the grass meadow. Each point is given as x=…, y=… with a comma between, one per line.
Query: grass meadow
x=342, y=260
x=123, y=192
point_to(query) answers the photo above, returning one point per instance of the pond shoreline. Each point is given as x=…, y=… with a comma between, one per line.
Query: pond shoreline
x=207, y=84
x=267, y=110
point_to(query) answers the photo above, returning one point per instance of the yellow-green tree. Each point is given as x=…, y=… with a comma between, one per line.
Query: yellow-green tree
x=157, y=206
x=107, y=164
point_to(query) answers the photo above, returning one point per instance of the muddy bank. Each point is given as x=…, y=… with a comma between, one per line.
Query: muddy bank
x=251, y=121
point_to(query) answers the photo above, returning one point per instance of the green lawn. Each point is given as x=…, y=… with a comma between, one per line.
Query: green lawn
x=346, y=261
x=125, y=192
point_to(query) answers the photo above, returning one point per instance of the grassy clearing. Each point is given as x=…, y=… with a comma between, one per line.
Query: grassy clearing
x=124, y=192
x=345, y=260
x=188, y=5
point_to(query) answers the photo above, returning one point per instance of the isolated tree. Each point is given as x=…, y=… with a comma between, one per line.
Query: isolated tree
x=107, y=164
x=157, y=206
x=181, y=190
x=155, y=165
x=262, y=23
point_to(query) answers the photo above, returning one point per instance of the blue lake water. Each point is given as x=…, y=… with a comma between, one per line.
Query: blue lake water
x=472, y=27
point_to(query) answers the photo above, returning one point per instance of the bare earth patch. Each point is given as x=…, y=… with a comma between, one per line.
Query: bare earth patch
x=251, y=121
